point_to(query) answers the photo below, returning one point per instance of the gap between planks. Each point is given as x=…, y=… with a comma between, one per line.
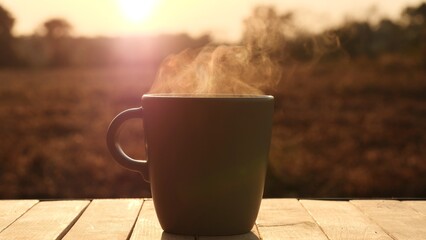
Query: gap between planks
x=11, y=210
x=287, y=219
x=45, y=220
x=342, y=220
x=399, y=219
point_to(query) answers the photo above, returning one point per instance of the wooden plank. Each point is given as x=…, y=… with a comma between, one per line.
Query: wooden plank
x=419, y=206
x=342, y=220
x=147, y=226
x=46, y=220
x=10, y=210
x=106, y=219
x=286, y=219
x=252, y=235
x=397, y=219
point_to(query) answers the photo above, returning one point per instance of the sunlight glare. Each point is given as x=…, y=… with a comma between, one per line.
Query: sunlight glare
x=137, y=10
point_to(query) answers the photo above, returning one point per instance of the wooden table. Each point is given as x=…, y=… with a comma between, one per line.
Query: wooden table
x=278, y=219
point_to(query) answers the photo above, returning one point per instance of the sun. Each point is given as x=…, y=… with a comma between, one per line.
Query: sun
x=137, y=10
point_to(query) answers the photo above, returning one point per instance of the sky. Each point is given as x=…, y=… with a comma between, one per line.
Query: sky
x=223, y=19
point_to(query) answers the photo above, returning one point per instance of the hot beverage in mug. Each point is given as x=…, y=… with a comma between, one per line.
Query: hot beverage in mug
x=206, y=159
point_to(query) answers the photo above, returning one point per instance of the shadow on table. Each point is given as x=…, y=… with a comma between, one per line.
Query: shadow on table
x=246, y=236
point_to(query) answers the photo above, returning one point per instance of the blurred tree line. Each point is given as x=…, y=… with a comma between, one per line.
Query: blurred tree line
x=406, y=36
x=53, y=46
x=286, y=42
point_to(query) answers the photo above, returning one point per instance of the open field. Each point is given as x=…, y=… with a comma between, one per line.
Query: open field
x=343, y=130
x=351, y=130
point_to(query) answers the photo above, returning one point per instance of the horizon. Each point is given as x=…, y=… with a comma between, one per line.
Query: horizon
x=122, y=18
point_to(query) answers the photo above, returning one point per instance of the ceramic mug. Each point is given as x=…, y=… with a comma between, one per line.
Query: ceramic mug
x=206, y=159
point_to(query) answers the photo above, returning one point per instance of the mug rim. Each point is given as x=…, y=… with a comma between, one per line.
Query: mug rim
x=207, y=96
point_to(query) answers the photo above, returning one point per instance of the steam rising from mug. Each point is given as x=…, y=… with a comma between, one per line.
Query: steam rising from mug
x=218, y=70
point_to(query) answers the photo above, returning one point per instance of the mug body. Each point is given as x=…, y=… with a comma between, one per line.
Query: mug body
x=207, y=160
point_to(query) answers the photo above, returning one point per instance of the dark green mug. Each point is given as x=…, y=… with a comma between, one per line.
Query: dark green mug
x=207, y=159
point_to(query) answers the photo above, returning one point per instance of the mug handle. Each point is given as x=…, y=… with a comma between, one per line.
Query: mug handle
x=114, y=147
